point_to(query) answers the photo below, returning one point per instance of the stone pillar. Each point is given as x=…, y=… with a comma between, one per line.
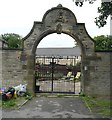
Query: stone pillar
x=111, y=75
x=97, y=75
x=30, y=74
x=85, y=75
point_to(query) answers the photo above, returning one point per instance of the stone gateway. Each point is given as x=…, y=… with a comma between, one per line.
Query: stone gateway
x=95, y=66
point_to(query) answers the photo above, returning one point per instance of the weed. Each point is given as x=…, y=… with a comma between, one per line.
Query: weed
x=65, y=95
x=60, y=95
x=44, y=95
x=0, y=103
x=13, y=102
x=82, y=94
x=27, y=95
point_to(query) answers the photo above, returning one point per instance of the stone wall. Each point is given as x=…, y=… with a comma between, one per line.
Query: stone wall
x=0, y=68
x=12, y=71
x=100, y=75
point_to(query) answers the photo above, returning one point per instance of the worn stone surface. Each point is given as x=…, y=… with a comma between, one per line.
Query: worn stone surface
x=12, y=73
x=0, y=68
x=100, y=76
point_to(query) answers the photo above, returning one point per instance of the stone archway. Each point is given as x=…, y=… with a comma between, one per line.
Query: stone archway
x=60, y=20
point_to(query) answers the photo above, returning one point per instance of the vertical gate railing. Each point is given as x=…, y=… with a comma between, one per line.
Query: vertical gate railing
x=55, y=75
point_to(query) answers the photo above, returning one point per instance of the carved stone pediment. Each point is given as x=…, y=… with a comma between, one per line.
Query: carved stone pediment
x=58, y=14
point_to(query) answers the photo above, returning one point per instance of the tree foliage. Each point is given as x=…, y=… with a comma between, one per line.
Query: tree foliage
x=105, y=10
x=103, y=42
x=13, y=40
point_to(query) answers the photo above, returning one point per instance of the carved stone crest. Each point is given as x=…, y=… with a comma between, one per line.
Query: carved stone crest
x=60, y=17
x=59, y=28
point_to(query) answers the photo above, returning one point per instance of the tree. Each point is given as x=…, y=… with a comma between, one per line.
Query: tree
x=13, y=40
x=105, y=10
x=103, y=42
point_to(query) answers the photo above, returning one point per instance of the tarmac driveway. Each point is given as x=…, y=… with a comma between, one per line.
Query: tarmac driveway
x=45, y=107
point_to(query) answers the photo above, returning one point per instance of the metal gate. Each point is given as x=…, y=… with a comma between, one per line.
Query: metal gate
x=56, y=75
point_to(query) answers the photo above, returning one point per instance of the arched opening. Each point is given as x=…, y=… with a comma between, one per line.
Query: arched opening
x=49, y=32
x=58, y=65
x=56, y=41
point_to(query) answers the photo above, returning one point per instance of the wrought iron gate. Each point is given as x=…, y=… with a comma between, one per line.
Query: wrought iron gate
x=56, y=74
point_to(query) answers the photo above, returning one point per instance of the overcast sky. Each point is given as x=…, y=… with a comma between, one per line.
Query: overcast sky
x=18, y=16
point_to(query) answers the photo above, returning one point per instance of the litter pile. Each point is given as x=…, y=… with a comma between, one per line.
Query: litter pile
x=13, y=92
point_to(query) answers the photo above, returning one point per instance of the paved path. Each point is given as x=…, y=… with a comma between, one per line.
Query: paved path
x=45, y=107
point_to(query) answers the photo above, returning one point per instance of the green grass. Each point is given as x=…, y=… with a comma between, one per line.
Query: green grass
x=65, y=95
x=0, y=103
x=60, y=95
x=98, y=105
x=13, y=102
x=9, y=103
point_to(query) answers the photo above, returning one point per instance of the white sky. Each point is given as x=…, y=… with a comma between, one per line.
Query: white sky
x=18, y=16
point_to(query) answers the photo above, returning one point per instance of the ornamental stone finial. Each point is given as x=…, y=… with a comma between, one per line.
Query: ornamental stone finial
x=60, y=5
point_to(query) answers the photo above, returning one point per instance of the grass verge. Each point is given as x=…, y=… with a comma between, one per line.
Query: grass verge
x=9, y=103
x=15, y=102
x=99, y=106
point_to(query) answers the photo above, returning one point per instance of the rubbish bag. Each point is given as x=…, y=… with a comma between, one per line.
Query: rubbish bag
x=2, y=90
x=10, y=90
x=4, y=97
x=8, y=93
x=20, y=93
x=20, y=89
